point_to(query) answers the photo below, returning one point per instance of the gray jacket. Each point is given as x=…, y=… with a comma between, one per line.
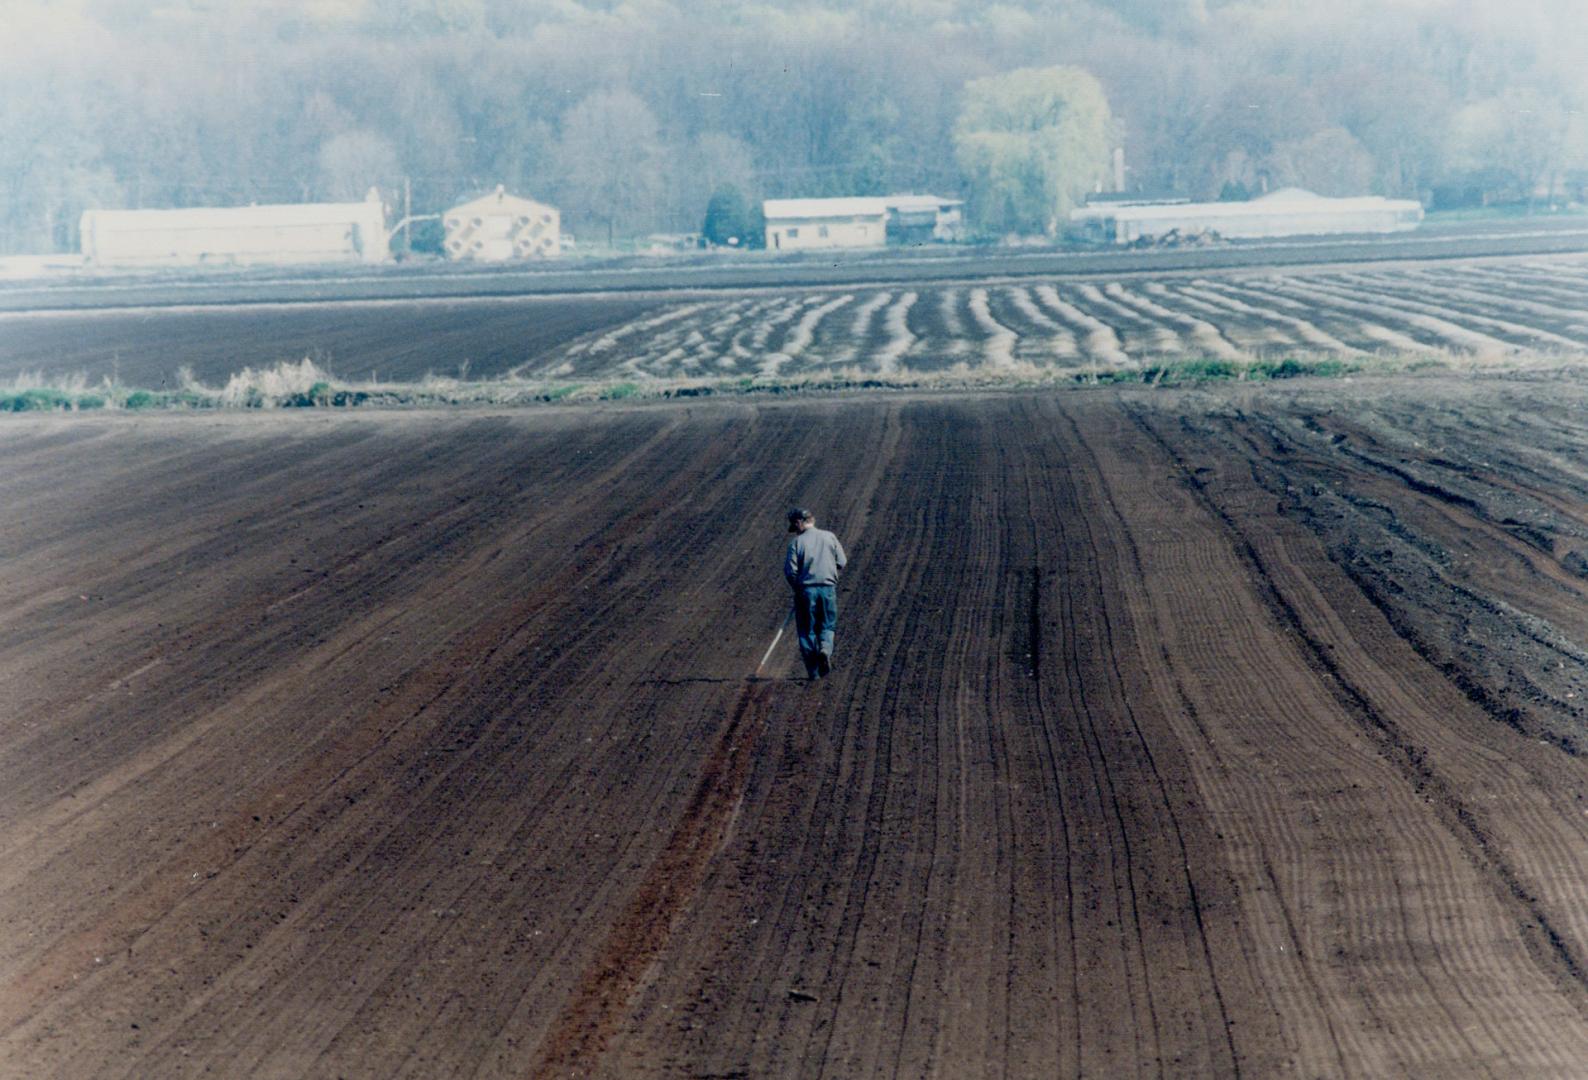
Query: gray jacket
x=814, y=558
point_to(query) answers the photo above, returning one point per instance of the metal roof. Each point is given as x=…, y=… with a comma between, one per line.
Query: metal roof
x=852, y=206
x=1285, y=200
x=907, y=203
x=499, y=200
x=213, y=217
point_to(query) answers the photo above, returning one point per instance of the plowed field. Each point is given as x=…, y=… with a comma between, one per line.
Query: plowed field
x=1097, y=326
x=1074, y=327
x=1171, y=733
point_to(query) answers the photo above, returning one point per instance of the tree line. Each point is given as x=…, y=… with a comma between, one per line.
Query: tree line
x=629, y=116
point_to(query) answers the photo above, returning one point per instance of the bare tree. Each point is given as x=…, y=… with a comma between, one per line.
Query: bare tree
x=1521, y=134
x=1330, y=162
x=610, y=162
x=713, y=162
x=354, y=162
x=194, y=103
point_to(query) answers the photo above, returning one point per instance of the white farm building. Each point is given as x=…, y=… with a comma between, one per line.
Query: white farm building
x=860, y=221
x=243, y=235
x=1286, y=212
x=499, y=226
x=797, y=224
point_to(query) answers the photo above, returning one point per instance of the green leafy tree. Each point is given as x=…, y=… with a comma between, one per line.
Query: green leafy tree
x=757, y=226
x=727, y=218
x=1031, y=142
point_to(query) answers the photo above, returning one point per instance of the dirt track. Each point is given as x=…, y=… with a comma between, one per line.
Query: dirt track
x=1174, y=734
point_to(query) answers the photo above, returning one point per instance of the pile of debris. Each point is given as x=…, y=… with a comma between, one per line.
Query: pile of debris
x=1177, y=238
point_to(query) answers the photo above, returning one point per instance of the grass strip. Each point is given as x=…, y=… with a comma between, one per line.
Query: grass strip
x=303, y=385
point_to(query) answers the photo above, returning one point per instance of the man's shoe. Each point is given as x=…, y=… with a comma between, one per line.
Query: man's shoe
x=823, y=665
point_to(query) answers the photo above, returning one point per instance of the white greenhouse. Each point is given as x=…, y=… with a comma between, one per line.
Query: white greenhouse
x=1286, y=212
x=241, y=236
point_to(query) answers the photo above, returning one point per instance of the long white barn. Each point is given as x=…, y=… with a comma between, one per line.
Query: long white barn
x=243, y=235
x=1286, y=212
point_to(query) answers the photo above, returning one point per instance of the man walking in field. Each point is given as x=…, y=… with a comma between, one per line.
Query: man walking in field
x=812, y=565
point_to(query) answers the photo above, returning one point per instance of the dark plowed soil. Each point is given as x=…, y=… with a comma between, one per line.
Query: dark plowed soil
x=1171, y=733
x=398, y=341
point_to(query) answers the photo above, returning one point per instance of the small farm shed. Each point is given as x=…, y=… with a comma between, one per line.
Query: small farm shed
x=243, y=235
x=924, y=219
x=1286, y=212
x=499, y=226
x=794, y=224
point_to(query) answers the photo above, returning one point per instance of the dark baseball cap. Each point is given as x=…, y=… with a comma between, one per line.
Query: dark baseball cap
x=798, y=513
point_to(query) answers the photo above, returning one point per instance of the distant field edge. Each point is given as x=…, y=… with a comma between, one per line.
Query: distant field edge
x=846, y=269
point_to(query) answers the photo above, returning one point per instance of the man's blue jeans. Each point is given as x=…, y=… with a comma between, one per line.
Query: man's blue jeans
x=815, y=617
